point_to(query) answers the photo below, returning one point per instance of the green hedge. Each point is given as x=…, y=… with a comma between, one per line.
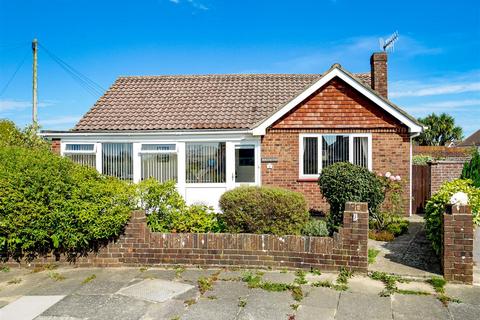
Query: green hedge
x=264, y=210
x=471, y=169
x=49, y=204
x=342, y=182
x=436, y=206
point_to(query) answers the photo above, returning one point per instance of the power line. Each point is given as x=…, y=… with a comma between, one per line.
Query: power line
x=89, y=85
x=14, y=74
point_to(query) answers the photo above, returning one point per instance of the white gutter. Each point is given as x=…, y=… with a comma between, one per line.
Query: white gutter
x=138, y=133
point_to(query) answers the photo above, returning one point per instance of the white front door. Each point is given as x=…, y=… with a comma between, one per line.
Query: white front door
x=247, y=164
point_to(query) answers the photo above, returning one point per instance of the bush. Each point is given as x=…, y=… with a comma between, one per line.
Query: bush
x=167, y=211
x=422, y=159
x=471, y=169
x=315, y=228
x=264, y=210
x=11, y=136
x=343, y=182
x=384, y=221
x=49, y=204
x=436, y=206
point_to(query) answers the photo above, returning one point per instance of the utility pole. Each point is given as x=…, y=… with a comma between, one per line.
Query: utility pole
x=34, y=93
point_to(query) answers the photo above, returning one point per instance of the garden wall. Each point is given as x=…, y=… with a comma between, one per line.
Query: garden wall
x=138, y=246
x=443, y=171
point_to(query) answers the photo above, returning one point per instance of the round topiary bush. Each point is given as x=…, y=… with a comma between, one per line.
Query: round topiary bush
x=343, y=182
x=264, y=210
x=436, y=206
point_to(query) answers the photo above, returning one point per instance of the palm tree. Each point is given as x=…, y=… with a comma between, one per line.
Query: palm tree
x=440, y=130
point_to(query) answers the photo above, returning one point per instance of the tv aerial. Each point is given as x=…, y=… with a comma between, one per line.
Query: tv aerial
x=389, y=43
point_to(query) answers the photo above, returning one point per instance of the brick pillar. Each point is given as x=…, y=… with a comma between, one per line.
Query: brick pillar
x=354, y=235
x=378, y=73
x=55, y=146
x=457, y=249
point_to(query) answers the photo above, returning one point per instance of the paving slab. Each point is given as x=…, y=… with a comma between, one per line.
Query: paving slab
x=279, y=277
x=223, y=290
x=321, y=298
x=467, y=294
x=192, y=275
x=230, y=275
x=109, y=281
x=314, y=313
x=363, y=306
x=166, y=274
x=416, y=286
x=412, y=307
x=164, y=311
x=28, y=307
x=27, y=283
x=277, y=306
x=103, y=307
x=463, y=311
x=155, y=290
x=332, y=277
x=57, y=318
x=363, y=284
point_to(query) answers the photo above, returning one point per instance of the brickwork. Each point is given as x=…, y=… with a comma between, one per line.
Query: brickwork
x=443, y=171
x=379, y=73
x=457, y=251
x=55, y=146
x=140, y=247
x=335, y=108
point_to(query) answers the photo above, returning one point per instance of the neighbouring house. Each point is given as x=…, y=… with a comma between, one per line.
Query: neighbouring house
x=472, y=141
x=211, y=133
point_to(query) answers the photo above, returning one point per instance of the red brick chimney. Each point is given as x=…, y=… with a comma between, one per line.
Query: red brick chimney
x=378, y=67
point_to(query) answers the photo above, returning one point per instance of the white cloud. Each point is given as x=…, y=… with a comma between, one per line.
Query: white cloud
x=9, y=105
x=444, y=106
x=193, y=3
x=62, y=120
x=416, y=90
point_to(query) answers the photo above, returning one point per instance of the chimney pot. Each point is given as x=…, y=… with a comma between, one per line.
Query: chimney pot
x=378, y=69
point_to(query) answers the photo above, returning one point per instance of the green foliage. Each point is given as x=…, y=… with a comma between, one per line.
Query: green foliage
x=49, y=204
x=421, y=159
x=389, y=280
x=11, y=136
x=440, y=130
x=168, y=212
x=436, y=206
x=342, y=182
x=392, y=223
x=438, y=284
x=344, y=275
x=204, y=284
x=315, y=228
x=381, y=235
x=471, y=169
x=264, y=210
x=372, y=255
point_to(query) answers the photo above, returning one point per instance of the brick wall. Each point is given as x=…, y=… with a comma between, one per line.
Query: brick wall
x=379, y=73
x=140, y=247
x=55, y=146
x=334, y=108
x=443, y=171
x=457, y=250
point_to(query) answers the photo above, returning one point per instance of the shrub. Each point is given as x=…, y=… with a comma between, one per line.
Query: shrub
x=392, y=223
x=49, y=204
x=436, y=206
x=315, y=228
x=167, y=211
x=471, y=169
x=422, y=159
x=264, y=210
x=11, y=136
x=342, y=182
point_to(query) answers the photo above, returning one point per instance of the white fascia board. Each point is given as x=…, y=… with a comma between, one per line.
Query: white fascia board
x=335, y=72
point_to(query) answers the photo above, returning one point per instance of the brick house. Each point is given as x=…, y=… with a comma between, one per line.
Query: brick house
x=215, y=132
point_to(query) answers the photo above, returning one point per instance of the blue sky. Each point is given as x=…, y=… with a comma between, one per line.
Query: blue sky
x=435, y=66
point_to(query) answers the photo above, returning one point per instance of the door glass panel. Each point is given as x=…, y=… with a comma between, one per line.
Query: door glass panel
x=245, y=164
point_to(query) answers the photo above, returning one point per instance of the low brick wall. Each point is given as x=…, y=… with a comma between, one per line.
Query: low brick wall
x=457, y=251
x=443, y=171
x=141, y=247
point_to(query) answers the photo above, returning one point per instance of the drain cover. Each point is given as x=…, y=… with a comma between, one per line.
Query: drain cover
x=155, y=290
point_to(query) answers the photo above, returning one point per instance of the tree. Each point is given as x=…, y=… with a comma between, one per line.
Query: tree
x=10, y=135
x=441, y=129
x=471, y=169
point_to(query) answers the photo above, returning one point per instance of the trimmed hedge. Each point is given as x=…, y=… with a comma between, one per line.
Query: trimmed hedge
x=436, y=206
x=49, y=204
x=264, y=210
x=342, y=182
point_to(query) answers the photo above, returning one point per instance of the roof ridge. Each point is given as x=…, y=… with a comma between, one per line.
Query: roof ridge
x=219, y=75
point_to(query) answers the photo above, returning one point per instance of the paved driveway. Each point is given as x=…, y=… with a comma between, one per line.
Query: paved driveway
x=132, y=293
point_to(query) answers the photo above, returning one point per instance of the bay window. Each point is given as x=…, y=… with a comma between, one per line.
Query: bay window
x=205, y=162
x=81, y=153
x=159, y=161
x=318, y=151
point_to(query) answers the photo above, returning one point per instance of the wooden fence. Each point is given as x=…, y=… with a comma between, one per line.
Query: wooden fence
x=421, y=187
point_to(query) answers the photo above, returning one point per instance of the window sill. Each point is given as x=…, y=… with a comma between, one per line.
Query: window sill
x=307, y=180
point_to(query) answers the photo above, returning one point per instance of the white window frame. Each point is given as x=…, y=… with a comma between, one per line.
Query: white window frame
x=96, y=149
x=138, y=152
x=319, y=136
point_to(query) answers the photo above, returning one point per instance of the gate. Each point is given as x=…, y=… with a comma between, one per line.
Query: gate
x=421, y=187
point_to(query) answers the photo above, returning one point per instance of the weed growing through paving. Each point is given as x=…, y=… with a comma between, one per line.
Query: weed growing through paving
x=342, y=279
x=242, y=303
x=212, y=297
x=372, y=255
x=48, y=266
x=294, y=306
x=255, y=281
x=143, y=269
x=438, y=285
x=413, y=292
x=5, y=269
x=189, y=302
x=178, y=271
x=315, y=272
x=284, y=270
x=175, y=318
x=329, y=284
x=56, y=276
x=300, y=277
x=204, y=284
x=15, y=281
x=389, y=280
x=89, y=279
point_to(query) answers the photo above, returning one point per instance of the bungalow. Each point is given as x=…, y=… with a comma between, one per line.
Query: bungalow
x=212, y=133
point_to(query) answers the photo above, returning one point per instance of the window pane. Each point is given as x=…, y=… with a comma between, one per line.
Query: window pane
x=83, y=159
x=310, y=155
x=158, y=147
x=160, y=166
x=117, y=160
x=79, y=147
x=334, y=149
x=205, y=162
x=245, y=164
x=360, y=151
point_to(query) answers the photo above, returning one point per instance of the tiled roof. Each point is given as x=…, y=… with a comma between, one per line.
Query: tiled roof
x=194, y=101
x=472, y=140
